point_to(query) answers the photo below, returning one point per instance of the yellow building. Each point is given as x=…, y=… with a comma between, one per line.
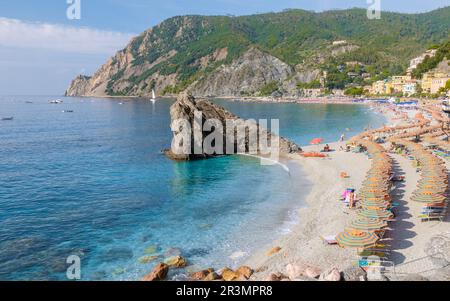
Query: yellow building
x=378, y=88
x=399, y=81
x=432, y=82
x=426, y=82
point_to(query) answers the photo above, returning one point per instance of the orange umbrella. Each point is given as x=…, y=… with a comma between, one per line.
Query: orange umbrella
x=316, y=141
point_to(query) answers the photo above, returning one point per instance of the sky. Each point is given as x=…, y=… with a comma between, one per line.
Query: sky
x=42, y=49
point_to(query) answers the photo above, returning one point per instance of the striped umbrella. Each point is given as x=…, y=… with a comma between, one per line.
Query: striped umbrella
x=376, y=213
x=429, y=199
x=375, y=204
x=356, y=239
x=367, y=224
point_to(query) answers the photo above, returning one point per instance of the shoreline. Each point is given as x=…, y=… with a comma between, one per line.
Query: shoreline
x=412, y=244
x=322, y=214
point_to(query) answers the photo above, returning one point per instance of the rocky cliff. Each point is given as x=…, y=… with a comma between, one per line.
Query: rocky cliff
x=245, y=76
x=184, y=109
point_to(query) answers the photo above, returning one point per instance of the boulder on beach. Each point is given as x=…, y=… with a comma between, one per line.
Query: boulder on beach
x=159, y=273
x=228, y=274
x=332, y=274
x=200, y=275
x=353, y=273
x=295, y=270
x=275, y=277
x=312, y=272
x=212, y=276
x=244, y=271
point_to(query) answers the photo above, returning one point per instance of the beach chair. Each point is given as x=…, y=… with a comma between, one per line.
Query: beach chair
x=329, y=239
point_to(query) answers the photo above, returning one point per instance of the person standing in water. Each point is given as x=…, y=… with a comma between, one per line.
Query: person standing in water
x=342, y=138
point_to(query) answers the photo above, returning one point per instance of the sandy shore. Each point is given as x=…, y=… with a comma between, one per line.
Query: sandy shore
x=324, y=214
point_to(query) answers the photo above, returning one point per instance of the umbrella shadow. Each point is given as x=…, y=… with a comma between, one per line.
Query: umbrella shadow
x=399, y=237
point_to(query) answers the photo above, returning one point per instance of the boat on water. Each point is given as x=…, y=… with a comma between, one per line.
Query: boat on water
x=56, y=101
x=67, y=111
x=7, y=118
x=153, y=99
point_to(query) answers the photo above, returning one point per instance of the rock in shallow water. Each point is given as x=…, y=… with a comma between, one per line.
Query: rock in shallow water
x=147, y=259
x=274, y=250
x=158, y=273
x=176, y=262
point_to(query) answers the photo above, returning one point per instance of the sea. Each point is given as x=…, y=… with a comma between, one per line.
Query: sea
x=87, y=178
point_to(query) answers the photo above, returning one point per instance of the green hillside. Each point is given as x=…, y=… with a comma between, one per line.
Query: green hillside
x=299, y=38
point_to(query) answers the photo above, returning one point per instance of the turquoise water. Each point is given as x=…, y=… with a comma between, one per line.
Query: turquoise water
x=94, y=183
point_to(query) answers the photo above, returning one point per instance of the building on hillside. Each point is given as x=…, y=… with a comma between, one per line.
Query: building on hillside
x=410, y=88
x=432, y=82
x=378, y=88
x=426, y=82
x=438, y=82
x=416, y=61
x=399, y=81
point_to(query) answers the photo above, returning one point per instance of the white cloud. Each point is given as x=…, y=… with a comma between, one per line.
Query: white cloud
x=35, y=35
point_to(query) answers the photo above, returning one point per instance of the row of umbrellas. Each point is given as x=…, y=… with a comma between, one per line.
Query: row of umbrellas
x=432, y=189
x=369, y=134
x=375, y=201
x=445, y=145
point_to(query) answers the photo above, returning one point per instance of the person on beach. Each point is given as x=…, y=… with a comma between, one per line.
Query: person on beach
x=342, y=138
x=351, y=203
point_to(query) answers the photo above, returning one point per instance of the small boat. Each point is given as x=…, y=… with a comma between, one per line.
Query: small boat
x=7, y=118
x=67, y=111
x=56, y=101
x=153, y=99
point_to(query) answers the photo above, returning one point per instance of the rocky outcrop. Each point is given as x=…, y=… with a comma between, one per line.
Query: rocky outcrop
x=245, y=76
x=81, y=85
x=159, y=273
x=184, y=109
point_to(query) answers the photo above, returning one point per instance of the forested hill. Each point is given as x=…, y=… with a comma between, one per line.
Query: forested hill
x=261, y=54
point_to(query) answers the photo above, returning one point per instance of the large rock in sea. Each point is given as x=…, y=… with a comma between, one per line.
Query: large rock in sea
x=184, y=109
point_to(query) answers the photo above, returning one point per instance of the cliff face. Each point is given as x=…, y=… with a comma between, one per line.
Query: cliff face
x=245, y=76
x=184, y=109
x=267, y=54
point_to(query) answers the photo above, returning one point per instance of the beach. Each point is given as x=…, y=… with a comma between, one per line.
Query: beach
x=410, y=240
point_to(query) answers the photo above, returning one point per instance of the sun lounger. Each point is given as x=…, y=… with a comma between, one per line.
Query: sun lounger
x=329, y=239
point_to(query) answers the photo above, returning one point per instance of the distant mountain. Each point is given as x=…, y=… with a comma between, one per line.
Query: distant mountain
x=265, y=54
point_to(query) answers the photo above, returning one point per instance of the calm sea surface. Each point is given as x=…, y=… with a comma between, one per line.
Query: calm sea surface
x=94, y=183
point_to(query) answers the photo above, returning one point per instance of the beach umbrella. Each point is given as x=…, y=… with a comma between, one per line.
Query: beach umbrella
x=375, y=204
x=429, y=199
x=356, y=239
x=316, y=141
x=376, y=213
x=367, y=224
